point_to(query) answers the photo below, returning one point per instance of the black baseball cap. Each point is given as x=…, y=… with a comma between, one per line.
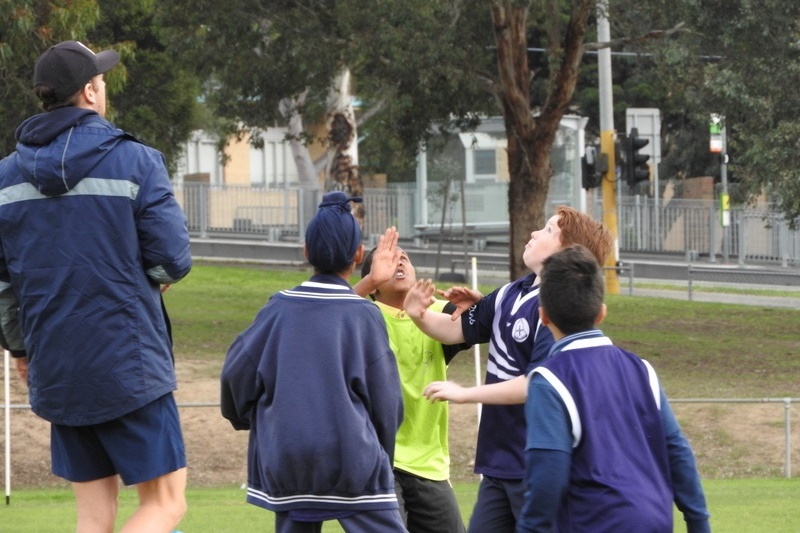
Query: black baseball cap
x=68, y=65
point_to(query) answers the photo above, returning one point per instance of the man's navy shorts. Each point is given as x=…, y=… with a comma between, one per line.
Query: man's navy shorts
x=139, y=446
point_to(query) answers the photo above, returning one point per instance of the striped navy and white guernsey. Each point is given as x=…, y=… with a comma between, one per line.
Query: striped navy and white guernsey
x=508, y=319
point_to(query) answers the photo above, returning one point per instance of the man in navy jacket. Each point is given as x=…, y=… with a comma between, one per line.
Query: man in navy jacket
x=90, y=233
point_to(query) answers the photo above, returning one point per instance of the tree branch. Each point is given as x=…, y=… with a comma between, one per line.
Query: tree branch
x=649, y=36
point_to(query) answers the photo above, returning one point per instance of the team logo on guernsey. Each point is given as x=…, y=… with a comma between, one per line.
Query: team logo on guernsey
x=521, y=330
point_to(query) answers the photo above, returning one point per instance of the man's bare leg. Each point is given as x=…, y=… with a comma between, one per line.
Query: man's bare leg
x=162, y=504
x=97, y=504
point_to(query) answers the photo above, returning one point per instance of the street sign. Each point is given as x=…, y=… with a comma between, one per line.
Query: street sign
x=716, y=143
x=725, y=210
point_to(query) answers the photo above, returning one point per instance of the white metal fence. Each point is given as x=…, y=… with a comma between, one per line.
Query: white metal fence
x=690, y=227
x=694, y=227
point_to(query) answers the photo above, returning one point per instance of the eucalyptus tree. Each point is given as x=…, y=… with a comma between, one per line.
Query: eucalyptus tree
x=419, y=66
x=28, y=27
x=151, y=94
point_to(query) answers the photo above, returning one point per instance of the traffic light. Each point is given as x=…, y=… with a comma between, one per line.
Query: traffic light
x=593, y=165
x=637, y=168
x=589, y=174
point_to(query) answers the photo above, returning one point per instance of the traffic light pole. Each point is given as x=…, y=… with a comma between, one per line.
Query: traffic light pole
x=607, y=134
x=719, y=145
x=725, y=199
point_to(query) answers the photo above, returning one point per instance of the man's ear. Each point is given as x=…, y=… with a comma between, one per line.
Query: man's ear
x=305, y=251
x=88, y=93
x=601, y=315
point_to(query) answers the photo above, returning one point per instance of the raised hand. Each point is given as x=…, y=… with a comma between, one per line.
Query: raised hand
x=462, y=297
x=386, y=257
x=419, y=298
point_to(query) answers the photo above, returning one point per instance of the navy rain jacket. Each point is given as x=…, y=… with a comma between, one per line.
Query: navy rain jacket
x=89, y=229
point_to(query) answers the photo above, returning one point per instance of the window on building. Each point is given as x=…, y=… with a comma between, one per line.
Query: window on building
x=484, y=164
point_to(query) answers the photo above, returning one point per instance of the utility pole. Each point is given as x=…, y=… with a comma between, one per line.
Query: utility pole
x=607, y=135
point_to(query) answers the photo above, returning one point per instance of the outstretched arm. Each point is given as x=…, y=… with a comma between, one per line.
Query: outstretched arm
x=384, y=263
x=511, y=392
x=436, y=325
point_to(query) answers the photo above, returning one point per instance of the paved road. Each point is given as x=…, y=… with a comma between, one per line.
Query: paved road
x=791, y=302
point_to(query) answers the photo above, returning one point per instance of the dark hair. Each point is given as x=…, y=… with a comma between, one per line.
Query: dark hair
x=50, y=101
x=572, y=289
x=366, y=266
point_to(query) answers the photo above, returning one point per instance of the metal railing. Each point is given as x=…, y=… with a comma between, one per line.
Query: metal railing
x=787, y=419
x=690, y=227
x=731, y=276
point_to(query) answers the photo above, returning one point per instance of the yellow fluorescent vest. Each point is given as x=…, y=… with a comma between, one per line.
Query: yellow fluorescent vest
x=421, y=448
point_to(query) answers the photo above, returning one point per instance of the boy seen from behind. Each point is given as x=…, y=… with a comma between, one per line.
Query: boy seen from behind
x=315, y=382
x=603, y=449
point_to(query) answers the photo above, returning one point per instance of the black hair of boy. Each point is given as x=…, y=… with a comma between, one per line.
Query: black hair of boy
x=572, y=289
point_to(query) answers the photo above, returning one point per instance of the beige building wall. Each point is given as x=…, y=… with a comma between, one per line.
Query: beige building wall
x=237, y=171
x=237, y=167
x=502, y=165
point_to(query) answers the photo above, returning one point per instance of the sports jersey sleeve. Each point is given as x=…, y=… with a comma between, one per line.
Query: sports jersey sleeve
x=688, y=492
x=548, y=456
x=546, y=418
x=476, y=323
x=239, y=383
x=543, y=342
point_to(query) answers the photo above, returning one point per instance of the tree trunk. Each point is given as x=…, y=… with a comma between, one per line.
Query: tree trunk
x=307, y=174
x=530, y=138
x=343, y=172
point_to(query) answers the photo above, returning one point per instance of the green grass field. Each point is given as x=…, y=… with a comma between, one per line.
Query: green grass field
x=710, y=350
x=737, y=506
x=700, y=350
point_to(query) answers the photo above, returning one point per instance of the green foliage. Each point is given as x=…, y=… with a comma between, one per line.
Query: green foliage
x=151, y=93
x=158, y=103
x=421, y=63
x=27, y=27
x=416, y=62
x=736, y=58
